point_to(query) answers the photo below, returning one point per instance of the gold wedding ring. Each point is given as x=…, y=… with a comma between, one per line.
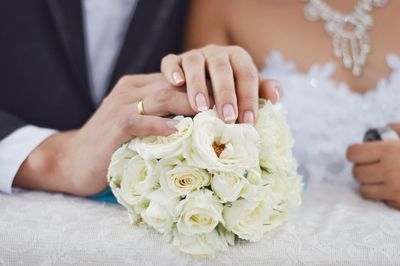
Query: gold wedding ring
x=140, y=108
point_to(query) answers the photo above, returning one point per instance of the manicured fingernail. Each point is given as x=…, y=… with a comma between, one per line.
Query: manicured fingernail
x=248, y=117
x=177, y=78
x=172, y=124
x=201, y=102
x=228, y=112
x=277, y=94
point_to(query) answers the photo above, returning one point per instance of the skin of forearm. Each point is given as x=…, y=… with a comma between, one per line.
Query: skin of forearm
x=41, y=170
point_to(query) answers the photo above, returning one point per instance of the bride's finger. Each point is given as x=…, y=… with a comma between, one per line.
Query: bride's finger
x=193, y=63
x=223, y=84
x=368, y=173
x=172, y=69
x=366, y=152
x=247, y=85
x=375, y=192
x=393, y=204
x=396, y=127
x=270, y=89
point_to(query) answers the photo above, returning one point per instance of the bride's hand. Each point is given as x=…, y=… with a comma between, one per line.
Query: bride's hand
x=236, y=83
x=377, y=169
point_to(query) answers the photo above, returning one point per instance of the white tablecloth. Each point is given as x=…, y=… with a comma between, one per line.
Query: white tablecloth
x=334, y=226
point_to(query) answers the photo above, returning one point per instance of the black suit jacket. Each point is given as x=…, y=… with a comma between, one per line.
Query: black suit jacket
x=43, y=72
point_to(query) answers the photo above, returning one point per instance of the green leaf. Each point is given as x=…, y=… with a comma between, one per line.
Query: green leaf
x=265, y=169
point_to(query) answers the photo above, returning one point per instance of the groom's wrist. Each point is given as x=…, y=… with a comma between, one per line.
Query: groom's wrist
x=15, y=149
x=36, y=168
x=42, y=169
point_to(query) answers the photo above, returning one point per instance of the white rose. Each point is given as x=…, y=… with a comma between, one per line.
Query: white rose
x=278, y=164
x=118, y=161
x=199, y=213
x=228, y=186
x=138, y=180
x=217, y=146
x=157, y=147
x=278, y=215
x=227, y=236
x=177, y=178
x=202, y=245
x=287, y=187
x=286, y=191
x=251, y=192
x=296, y=188
x=282, y=208
x=254, y=176
x=135, y=207
x=246, y=218
x=116, y=169
x=276, y=138
x=159, y=213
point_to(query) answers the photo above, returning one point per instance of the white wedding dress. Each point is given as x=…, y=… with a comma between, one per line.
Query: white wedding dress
x=334, y=226
x=326, y=117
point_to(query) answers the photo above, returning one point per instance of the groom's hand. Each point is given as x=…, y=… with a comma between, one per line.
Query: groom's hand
x=76, y=161
x=236, y=83
x=377, y=169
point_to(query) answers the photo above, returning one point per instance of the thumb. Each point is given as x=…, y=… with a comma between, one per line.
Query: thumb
x=396, y=127
x=270, y=89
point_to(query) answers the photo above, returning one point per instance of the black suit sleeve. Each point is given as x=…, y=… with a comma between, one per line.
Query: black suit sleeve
x=8, y=124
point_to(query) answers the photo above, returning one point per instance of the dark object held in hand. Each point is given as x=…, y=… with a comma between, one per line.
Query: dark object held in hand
x=379, y=134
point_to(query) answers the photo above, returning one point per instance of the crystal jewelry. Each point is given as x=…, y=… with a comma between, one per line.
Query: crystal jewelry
x=349, y=32
x=140, y=109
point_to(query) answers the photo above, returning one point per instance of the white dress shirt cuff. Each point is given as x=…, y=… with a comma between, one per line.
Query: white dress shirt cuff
x=15, y=148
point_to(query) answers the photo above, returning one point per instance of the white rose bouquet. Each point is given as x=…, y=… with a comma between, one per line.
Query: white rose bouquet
x=210, y=182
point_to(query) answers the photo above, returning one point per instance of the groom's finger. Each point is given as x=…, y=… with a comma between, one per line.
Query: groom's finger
x=162, y=103
x=366, y=152
x=137, y=80
x=168, y=102
x=131, y=94
x=130, y=125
